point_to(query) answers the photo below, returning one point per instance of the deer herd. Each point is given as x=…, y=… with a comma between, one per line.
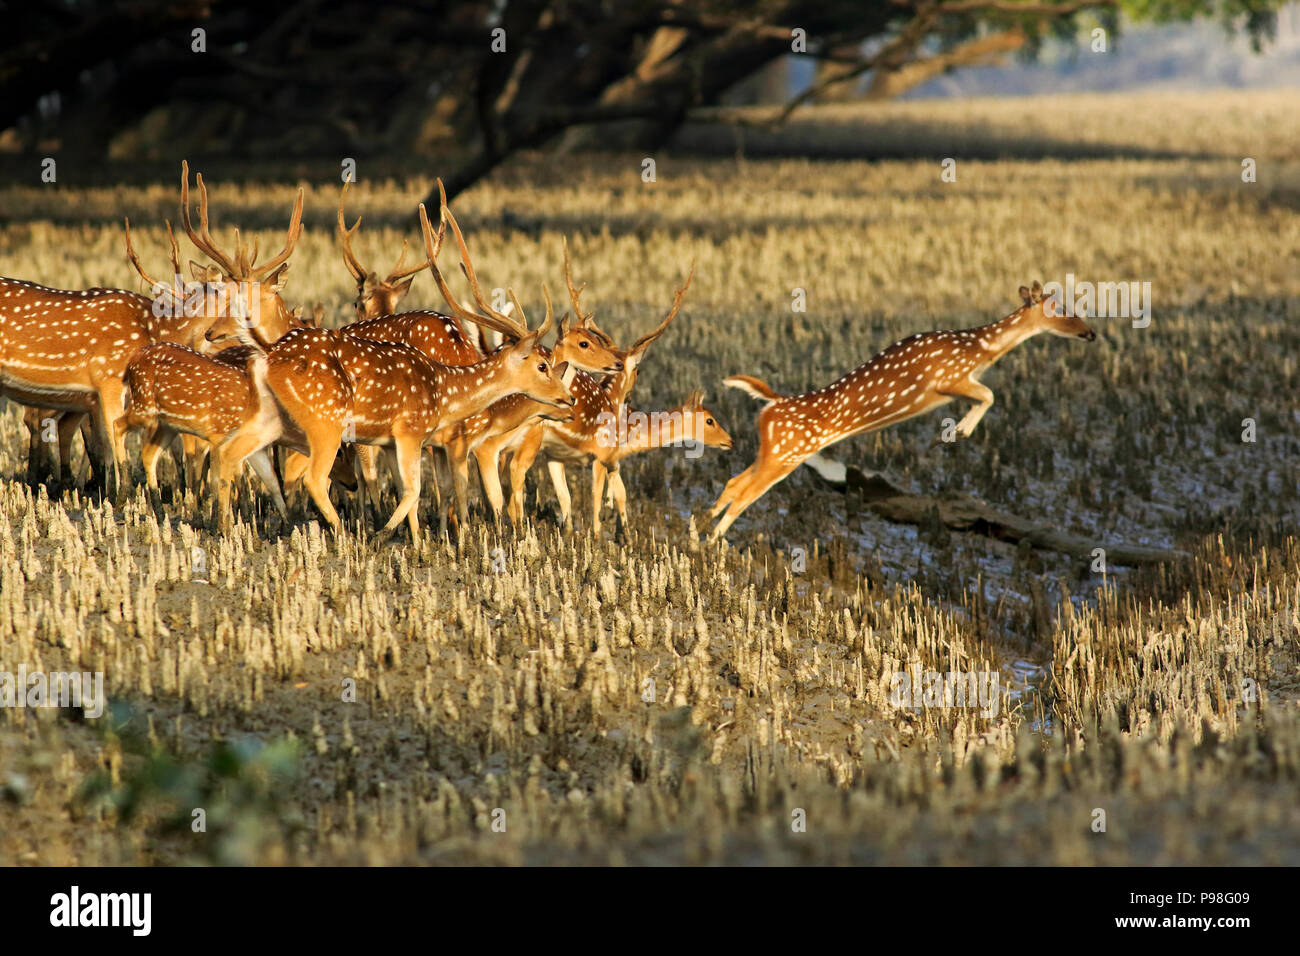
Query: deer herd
x=224, y=369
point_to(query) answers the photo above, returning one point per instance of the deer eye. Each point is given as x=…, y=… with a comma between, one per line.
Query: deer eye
x=708, y=421
x=582, y=345
x=542, y=367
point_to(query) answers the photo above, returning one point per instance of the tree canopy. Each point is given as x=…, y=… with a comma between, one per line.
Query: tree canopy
x=481, y=79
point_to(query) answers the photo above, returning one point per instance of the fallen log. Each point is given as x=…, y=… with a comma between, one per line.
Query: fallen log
x=970, y=514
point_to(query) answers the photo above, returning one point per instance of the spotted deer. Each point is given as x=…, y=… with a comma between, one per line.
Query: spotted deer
x=603, y=433
x=581, y=440
x=447, y=339
x=64, y=352
x=911, y=377
x=328, y=383
x=582, y=347
x=174, y=390
x=233, y=293
x=375, y=296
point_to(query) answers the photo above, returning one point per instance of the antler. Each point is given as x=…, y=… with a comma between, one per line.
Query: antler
x=582, y=318
x=291, y=239
x=550, y=311
x=644, y=342
x=358, y=271
x=431, y=249
x=397, y=273
x=175, y=259
x=242, y=266
x=517, y=330
x=202, y=240
x=135, y=259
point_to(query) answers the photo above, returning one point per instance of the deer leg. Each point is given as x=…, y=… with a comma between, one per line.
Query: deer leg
x=324, y=443
x=97, y=453
x=598, y=474
x=221, y=478
x=764, y=476
x=561, y=485
x=260, y=462
x=191, y=461
x=112, y=405
x=155, y=443
x=32, y=418
x=489, y=474
x=88, y=441
x=980, y=394
x=618, y=492
x=408, y=448
x=440, y=460
x=295, y=467
x=42, y=459
x=731, y=489
x=458, y=457
x=519, y=465
x=69, y=424
x=369, y=467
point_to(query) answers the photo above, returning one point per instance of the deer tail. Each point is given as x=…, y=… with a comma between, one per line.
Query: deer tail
x=753, y=387
x=258, y=387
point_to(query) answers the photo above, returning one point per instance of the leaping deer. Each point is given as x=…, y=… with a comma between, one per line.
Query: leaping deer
x=909, y=378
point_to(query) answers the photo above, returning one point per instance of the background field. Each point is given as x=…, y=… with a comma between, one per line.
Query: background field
x=522, y=690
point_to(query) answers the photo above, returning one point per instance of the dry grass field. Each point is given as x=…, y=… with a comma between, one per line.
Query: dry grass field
x=544, y=695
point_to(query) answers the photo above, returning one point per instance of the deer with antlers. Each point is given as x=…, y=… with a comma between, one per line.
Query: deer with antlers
x=593, y=435
x=444, y=339
x=910, y=378
x=181, y=392
x=581, y=347
x=387, y=394
x=375, y=296
x=67, y=351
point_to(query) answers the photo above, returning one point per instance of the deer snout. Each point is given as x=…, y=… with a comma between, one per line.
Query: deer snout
x=1089, y=336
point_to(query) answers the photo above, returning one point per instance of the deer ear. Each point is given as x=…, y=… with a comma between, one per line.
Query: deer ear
x=200, y=272
x=277, y=279
x=563, y=325
x=403, y=287
x=1036, y=293
x=296, y=312
x=1024, y=294
x=561, y=368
